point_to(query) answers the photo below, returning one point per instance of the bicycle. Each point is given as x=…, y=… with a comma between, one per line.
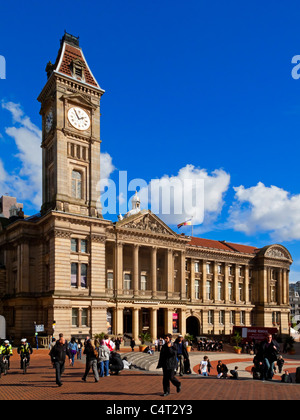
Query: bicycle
x=5, y=365
x=25, y=364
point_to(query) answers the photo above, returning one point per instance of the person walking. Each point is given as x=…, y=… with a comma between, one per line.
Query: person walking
x=79, y=347
x=58, y=355
x=73, y=347
x=132, y=344
x=103, y=359
x=182, y=354
x=267, y=356
x=168, y=363
x=91, y=361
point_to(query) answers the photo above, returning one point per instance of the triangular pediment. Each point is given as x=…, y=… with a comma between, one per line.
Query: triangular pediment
x=146, y=221
x=78, y=99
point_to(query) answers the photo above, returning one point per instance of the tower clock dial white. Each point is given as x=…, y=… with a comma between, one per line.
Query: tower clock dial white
x=49, y=121
x=79, y=119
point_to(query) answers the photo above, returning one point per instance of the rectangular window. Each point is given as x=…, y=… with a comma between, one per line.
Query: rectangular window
x=83, y=277
x=84, y=317
x=220, y=269
x=230, y=291
x=231, y=270
x=197, y=267
x=208, y=290
x=143, y=282
x=197, y=289
x=83, y=246
x=242, y=317
x=232, y=317
x=208, y=268
x=74, y=245
x=75, y=317
x=74, y=274
x=241, y=292
x=220, y=290
x=110, y=280
x=127, y=281
x=210, y=317
x=221, y=317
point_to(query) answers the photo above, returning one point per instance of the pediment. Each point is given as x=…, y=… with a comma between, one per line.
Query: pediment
x=78, y=99
x=146, y=222
x=276, y=251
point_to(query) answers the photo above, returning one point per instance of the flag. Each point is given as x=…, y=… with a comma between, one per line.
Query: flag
x=186, y=223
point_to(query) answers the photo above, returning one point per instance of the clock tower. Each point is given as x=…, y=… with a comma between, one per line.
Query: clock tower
x=70, y=110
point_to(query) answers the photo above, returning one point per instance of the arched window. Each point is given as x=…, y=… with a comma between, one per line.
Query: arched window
x=76, y=184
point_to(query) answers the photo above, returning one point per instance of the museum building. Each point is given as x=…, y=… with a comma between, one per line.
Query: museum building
x=67, y=266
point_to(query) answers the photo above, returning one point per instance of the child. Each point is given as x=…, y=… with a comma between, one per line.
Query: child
x=280, y=363
x=203, y=366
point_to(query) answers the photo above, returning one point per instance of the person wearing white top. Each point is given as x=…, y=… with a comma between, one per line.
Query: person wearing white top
x=203, y=367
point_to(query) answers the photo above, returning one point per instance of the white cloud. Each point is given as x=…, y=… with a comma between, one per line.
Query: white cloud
x=25, y=182
x=106, y=166
x=266, y=209
x=193, y=192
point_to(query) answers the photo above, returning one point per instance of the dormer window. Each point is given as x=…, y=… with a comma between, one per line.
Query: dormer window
x=77, y=68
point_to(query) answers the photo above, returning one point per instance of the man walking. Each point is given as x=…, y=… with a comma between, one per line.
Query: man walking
x=58, y=357
x=168, y=362
x=182, y=354
x=267, y=356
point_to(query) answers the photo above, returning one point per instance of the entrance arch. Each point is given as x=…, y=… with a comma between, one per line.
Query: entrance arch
x=193, y=326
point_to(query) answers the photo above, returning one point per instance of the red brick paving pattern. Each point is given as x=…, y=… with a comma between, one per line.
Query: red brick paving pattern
x=39, y=384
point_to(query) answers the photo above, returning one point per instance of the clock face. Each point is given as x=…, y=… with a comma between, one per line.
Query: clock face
x=49, y=121
x=79, y=119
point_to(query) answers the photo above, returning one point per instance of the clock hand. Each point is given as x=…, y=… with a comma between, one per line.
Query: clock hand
x=77, y=115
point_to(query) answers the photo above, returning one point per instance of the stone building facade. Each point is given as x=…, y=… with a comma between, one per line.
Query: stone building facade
x=69, y=266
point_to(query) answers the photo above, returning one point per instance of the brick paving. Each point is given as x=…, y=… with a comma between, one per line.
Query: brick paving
x=39, y=384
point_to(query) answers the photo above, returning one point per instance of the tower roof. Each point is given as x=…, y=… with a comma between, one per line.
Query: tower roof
x=70, y=56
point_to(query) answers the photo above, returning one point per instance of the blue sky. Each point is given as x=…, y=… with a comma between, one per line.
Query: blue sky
x=202, y=88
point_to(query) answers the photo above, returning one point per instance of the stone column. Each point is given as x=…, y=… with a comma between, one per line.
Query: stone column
x=118, y=322
x=285, y=287
x=154, y=271
x=153, y=323
x=135, y=324
x=170, y=272
x=215, y=281
x=182, y=321
x=193, y=277
x=119, y=268
x=226, y=283
x=246, y=285
x=169, y=321
x=182, y=276
x=136, y=270
x=280, y=288
x=204, y=276
x=236, y=284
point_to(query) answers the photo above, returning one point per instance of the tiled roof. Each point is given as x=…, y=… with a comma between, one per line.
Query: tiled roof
x=71, y=53
x=223, y=246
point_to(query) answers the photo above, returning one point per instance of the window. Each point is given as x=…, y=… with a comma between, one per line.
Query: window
x=241, y=271
x=76, y=184
x=232, y=317
x=197, y=267
x=250, y=292
x=74, y=245
x=231, y=270
x=273, y=294
x=242, y=317
x=197, y=289
x=210, y=316
x=127, y=281
x=110, y=280
x=208, y=268
x=230, y=291
x=84, y=317
x=83, y=246
x=143, y=282
x=74, y=274
x=75, y=317
x=83, y=276
x=241, y=292
x=221, y=317
x=220, y=290
x=220, y=269
x=208, y=290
